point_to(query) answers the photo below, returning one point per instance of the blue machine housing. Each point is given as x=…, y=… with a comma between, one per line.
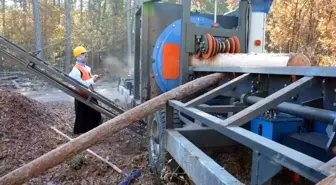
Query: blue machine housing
x=295, y=133
x=172, y=34
x=275, y=128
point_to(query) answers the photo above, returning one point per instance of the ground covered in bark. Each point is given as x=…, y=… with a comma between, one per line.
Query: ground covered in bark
x=25, y=134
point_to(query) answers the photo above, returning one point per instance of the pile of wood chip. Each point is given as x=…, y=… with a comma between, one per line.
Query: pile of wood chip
x=25, y=135
x=24, y=130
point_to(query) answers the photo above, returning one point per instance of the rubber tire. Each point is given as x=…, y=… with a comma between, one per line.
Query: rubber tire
x=156, y=166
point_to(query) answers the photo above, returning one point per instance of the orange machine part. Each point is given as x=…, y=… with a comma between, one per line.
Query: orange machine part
x=227, y=46
x=237, y=44
x=210, y=47
x=232, y=44
x=171, y=61
x=214, y=46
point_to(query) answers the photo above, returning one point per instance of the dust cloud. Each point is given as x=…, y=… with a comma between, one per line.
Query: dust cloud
x=114, y=67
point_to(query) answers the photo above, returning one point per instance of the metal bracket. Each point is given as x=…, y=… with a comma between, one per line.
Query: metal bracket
x=332, y=141
x=263, y=169
x=218, y=91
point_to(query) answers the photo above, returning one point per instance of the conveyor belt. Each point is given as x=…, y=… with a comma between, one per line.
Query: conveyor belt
x=60, y=80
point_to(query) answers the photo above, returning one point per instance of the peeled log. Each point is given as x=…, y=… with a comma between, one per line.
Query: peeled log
x=84, y=141
x=330, y=180
x=252, y=60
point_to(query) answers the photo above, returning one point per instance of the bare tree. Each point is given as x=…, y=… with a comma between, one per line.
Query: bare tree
x=68, y=34
x=4, y=17
x=3, y=27
x=129, y=37
x=25, y=15
x=38, y=29
x=81, y=10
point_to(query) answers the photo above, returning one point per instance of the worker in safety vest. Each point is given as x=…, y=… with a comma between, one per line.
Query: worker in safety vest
x=86, y=117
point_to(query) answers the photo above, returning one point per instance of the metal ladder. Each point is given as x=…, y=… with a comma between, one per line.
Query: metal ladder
x=60, y=80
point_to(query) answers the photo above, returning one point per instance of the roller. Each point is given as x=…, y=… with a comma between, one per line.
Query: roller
x=252, y=60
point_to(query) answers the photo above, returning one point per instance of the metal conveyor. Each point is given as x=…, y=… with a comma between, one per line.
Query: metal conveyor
x=57, y=78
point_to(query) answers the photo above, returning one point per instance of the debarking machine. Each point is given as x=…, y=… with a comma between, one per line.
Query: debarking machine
x=277, y=105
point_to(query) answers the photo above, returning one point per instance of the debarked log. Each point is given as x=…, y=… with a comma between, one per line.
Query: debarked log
x=252, y=60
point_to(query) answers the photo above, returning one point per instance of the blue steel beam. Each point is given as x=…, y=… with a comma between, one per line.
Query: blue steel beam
x=261, y=5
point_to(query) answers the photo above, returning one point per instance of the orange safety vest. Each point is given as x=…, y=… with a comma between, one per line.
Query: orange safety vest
x=85, y=75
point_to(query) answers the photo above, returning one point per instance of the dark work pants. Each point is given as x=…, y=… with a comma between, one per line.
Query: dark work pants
x=86, y=117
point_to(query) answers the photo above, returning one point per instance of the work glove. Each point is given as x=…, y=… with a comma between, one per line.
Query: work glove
x=96, y=77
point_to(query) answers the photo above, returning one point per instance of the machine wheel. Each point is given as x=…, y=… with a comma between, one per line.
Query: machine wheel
x=156, y=151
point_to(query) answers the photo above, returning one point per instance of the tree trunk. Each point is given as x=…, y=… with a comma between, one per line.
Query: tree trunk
x=59, y=5
x=115, y=27
x=38, y=30
x=4, y=18
x=129, y=37
x=25, y=15
x=14, y=14
x=99, y=15
x=68, y=34
x=81, y=10
x=94, y=136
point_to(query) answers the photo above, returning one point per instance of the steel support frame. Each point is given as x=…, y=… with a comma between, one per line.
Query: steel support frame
x=218, y=90
x=267, y=153
x=199, y=167
x=189, y=32
x=137, y=55
x=265, y=104
x=221, y=108
x=263, y=169
x=277, y=153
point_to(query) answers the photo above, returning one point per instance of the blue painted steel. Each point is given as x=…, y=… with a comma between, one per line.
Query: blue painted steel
x=312, y=144
x=320, y=127
x=172, y=34
x=131, y=177
x=284, y=129
x=275, y=129
x=261, y=5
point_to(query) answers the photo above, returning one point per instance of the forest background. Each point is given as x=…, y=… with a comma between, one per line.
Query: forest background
x=106, y=28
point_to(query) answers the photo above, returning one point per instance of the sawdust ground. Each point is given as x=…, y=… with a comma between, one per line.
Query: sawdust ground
x=237, y=160
x=25, y=135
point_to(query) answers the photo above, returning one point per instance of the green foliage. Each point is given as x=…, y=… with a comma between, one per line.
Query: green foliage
x=76, y=162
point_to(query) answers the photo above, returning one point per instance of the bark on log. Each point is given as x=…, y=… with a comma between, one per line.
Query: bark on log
x=329, y=166
x=84, y=141
x=252, y=60
x=330, y=180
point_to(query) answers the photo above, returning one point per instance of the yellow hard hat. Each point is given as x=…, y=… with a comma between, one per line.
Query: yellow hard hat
x=78, y=51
